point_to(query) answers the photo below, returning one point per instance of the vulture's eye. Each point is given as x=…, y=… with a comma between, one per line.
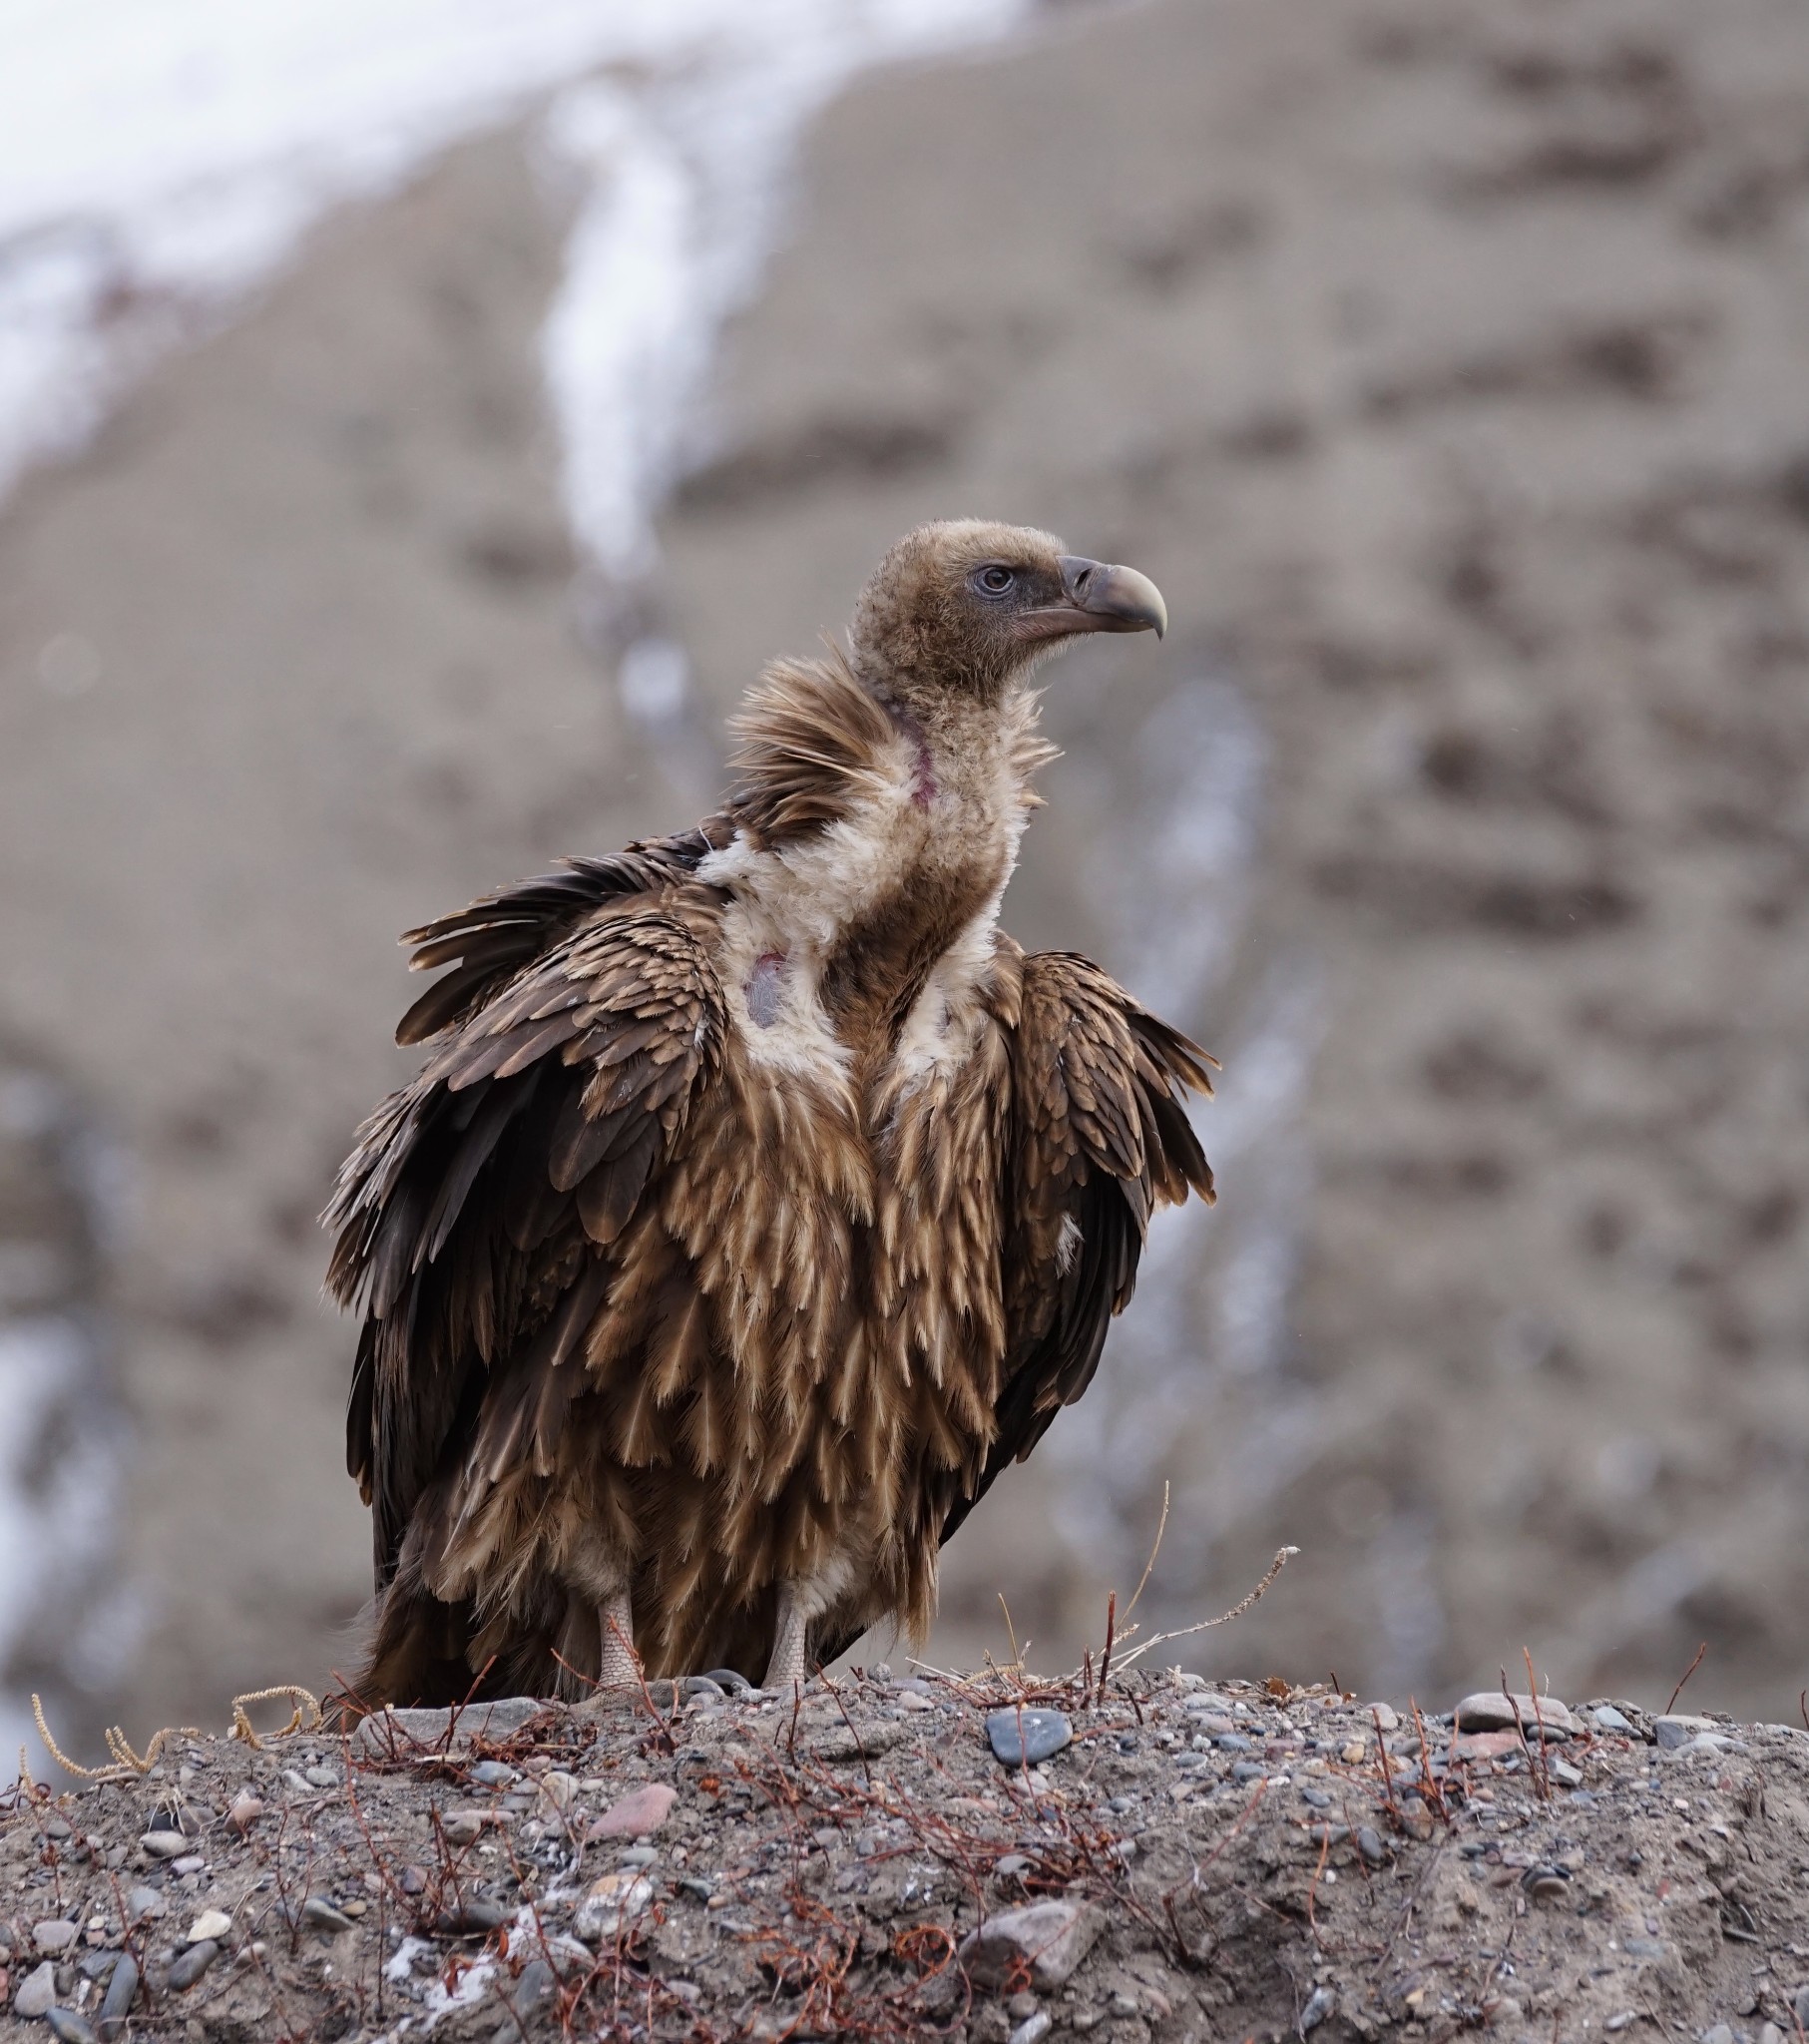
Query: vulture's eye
x=994, y=581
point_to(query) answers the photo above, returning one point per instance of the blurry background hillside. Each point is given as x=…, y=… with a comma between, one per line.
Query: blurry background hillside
x=403, y=525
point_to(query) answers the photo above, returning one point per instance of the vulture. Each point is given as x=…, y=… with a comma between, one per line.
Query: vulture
x=759, y=1199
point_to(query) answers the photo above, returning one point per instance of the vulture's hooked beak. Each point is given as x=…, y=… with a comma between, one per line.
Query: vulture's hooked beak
x=1100, y=597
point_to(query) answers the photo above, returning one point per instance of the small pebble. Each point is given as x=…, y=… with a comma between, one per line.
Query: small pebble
x=734, y=1683
x=57, y=1935
x=324, y=1777
x=558, y=1790
x=37, y=1994
x=476, y=1917
x=318, y=1913
x=165, y=1844
x=1369, y=1844
x=1043, y=1733
x=1491, y=1711
x=1608, y=1719
x=493, y=1773
x=69, y=2027
x=190, y=1965
x=214, y=1923
x=121, y=1988
x=246, y=1811
x=611, y=1903
x=1032, y=2029
x=910, y=1700
x=145, y=1902
x=638, y=1815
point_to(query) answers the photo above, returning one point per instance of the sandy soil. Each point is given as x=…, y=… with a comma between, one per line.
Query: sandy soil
x=1241, y=1863
x=1446, y=368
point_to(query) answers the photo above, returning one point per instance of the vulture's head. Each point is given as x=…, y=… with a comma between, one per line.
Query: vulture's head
x=968, y=606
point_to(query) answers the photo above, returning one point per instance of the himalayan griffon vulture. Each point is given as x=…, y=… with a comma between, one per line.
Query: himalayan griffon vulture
x=759, y=1199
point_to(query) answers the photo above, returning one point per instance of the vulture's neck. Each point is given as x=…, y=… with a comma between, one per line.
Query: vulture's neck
x=872, y=844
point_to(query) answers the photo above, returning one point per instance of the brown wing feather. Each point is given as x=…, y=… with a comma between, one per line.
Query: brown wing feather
x=500, y=933
x=1100, y=1139
x=474, y=1214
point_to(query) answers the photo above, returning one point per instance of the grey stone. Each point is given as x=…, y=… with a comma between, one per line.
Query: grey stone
x=1318, y=2007
x=494, y=1773
x=1050, y=1939
x=1720, y=2034
x=54, y=1936
x=1643, y=1947
x=141, y=1902
x=1315, y=1799
x=190, y=1965
x=475, y=1916
x=852, y=1741
x=1799, y=2006
x=400, y=1732
x=1248, y=1770
x=37, y=1992
x=69, y=2027
x=120, y=1991
x=535, y=1985
x=165, y=1844
x=1608, y=1719
x=1672, y=1733
x=1043, y=1733
x=1032, y=2029
x=1231, y=1741
x=318, y=1913
x=324, y=1777
x=1705, y=1745
x=1490, y=1711
x=1369, y=1844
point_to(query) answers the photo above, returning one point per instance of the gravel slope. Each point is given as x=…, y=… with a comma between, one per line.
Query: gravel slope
x=1449, y=368
x=1232, y=1862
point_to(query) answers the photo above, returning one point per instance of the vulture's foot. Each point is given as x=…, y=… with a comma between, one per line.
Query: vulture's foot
x=621, y=1668
x=788, y=1668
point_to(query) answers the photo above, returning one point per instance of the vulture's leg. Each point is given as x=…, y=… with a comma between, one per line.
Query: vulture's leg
x=787, y=1666
x=620, y=1669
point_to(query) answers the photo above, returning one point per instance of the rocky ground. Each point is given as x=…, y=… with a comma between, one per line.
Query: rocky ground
x=1448, y=367
x=1157, y=1858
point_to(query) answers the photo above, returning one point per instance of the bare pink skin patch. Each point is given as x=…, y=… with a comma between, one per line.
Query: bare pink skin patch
x=766, y=988
x=923, y=787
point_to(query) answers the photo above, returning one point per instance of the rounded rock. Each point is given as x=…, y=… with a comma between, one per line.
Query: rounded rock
x=1021, y=1737
x=37, y=1993
x=189, y=1966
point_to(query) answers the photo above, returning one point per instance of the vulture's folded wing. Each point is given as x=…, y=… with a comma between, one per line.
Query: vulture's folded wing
x=477, y=1212
x=1100, y=1139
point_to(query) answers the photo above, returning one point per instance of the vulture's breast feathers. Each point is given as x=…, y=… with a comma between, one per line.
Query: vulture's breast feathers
x=863, y=879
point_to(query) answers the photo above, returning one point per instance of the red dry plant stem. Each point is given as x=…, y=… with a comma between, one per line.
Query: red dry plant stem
x=1687, y=1673
x=1545, y=1758
x=1429, y=1787
x=1112, y=1619
x=1388, y=1779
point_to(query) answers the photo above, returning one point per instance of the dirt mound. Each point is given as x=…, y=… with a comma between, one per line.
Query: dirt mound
x=1194, y=1861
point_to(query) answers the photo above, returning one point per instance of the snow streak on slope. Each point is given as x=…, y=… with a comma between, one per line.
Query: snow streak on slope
x=158, y=158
